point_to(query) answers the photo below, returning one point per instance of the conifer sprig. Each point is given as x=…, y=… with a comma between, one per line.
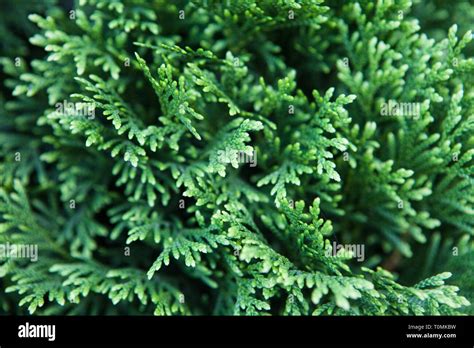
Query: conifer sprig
x=237, y=158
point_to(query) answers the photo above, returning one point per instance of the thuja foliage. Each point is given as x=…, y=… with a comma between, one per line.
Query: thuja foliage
x=135, y=209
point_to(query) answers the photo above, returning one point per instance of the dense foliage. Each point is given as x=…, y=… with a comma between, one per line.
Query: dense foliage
x=212, y=156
